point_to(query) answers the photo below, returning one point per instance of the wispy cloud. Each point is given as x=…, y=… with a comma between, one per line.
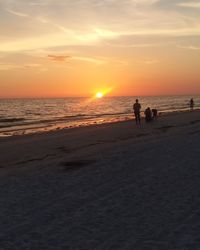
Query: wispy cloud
x=64, y=58
x=149, y=61
x=131, y=45
x=84, y=21
x=190, y=4
x=32, y=65
x=39, y=3
x=189, y=47
x=58, y=58
x=144, y=2
x=105, y=33
x=89, y=59
x=4, y=67
x=14, y=66
x=16, y=13
x=53, y=24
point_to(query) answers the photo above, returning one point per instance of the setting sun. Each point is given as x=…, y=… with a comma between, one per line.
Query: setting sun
x=99, y=95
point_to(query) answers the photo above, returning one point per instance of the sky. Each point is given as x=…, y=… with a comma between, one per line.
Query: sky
x=51, y=48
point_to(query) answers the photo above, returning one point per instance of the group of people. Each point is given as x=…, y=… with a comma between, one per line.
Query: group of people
x=150, y=114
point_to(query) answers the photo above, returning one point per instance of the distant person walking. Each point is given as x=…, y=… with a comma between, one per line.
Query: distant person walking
x=136, y=109
x=191, y=104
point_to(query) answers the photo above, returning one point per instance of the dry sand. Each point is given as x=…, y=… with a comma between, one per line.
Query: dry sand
x=112, y=186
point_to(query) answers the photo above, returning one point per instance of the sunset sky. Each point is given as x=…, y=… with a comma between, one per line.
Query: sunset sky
x=57, y=48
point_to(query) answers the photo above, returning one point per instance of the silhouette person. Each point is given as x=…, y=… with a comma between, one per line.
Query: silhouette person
x=154, y=113
x=148, y=115
x=136, y=109
x=191, y=104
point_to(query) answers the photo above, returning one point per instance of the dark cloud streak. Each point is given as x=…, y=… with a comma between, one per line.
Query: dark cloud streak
x=58, y=58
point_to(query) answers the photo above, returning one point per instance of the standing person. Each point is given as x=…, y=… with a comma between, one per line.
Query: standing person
x=155, y=113
x=191, y=104
x=136, y=109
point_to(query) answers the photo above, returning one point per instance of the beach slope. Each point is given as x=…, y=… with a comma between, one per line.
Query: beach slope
x=112, y=186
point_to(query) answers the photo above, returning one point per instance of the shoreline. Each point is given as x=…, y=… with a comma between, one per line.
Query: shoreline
x=62, y=126
x=99, y=133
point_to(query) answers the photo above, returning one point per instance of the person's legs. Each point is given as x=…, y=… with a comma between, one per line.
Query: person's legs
x=137, y=118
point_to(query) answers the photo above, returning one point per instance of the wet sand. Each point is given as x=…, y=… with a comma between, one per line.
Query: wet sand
x=111, y=186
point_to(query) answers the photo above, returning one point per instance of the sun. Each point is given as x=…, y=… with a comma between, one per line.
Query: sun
x=99, y=95
x=102, y=93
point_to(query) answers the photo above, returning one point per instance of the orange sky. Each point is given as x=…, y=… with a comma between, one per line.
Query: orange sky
x=52, y=48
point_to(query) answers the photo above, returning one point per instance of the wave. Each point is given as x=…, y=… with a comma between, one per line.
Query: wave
x=50, y=113
x=22, y=122
x=11, y=120
x=116, y=113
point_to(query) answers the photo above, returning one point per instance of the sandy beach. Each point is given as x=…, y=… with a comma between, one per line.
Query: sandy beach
x=111, y=186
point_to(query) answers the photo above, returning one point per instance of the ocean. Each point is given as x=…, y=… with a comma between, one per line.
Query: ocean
x=24, y=116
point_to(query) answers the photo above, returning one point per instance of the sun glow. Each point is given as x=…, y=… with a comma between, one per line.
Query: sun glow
x=99, y=95
x=103, y=92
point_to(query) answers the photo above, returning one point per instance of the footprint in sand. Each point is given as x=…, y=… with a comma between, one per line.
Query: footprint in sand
x=76, y=165
x=195, y=132
x=165, y=128
x=142, y=134
x=195, y=121
x=64, y=149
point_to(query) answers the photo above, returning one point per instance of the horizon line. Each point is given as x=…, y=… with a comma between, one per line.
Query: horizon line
x=89, y=96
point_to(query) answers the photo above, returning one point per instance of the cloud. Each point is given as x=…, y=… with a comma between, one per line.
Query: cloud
x=189, y=47
x=58, y=58
x=149, y=61
x=5, y=67
x=105, y=33
x=63, y=58
x=52, y=24
x=14, y=66
x=179, y=9
x=16, y=13
x=38, y=3
x=32, y=65
x=93, y=23
x=190, y=5
x=89, y=59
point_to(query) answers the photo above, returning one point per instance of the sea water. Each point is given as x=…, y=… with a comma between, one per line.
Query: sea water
x=22, y=116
